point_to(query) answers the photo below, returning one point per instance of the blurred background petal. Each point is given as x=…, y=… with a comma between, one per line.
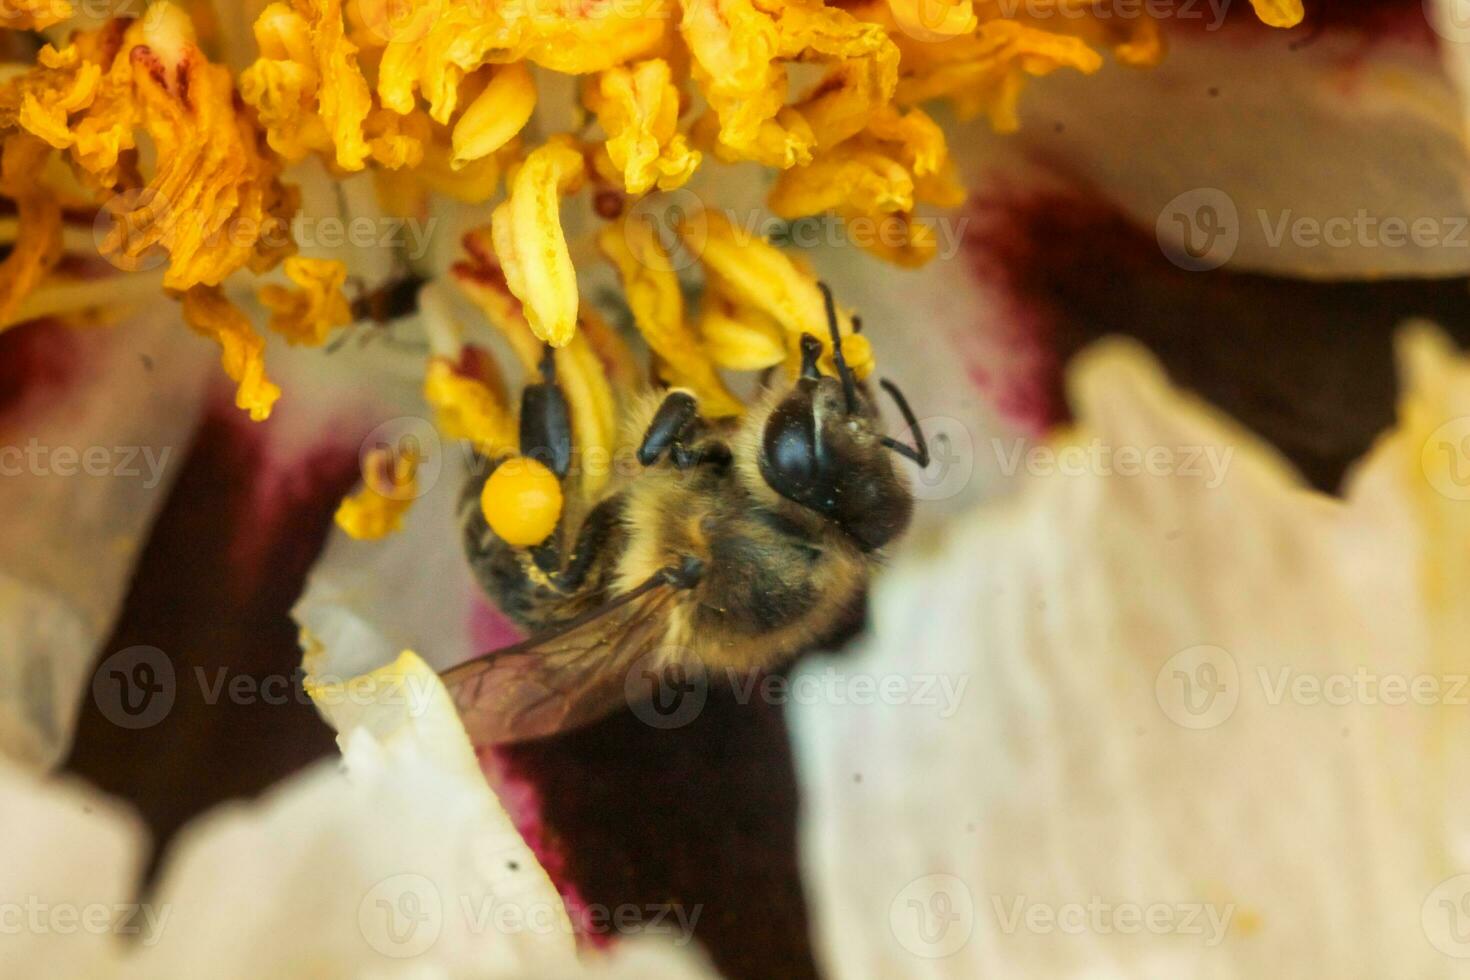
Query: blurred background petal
x=1133, y=733
x=208, y=675
x=94, y=425
x=1257, y=137
x=403, y=864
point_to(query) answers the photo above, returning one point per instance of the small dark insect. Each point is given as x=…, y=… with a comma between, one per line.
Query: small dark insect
x=738, y=544
x=380, y=307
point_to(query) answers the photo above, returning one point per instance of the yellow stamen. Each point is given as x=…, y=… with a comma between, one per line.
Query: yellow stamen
x=316, y=306
x=241, y=349
x=38, y=245
x=652, y=290
x=527, y=233
x=638, y=108
x=389, y=489
x=471, y=408
x=495, y=116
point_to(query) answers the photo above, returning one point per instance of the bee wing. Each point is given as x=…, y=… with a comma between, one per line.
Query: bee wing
x=566, y=678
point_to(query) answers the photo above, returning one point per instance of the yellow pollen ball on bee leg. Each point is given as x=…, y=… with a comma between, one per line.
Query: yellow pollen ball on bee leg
x=522, y=502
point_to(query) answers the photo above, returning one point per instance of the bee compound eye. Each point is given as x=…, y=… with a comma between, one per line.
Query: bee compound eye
x=791, y=459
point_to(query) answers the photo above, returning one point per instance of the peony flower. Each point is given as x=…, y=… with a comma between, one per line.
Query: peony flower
x=1162, y=682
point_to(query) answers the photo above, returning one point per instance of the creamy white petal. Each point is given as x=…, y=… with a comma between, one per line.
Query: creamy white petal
x=1137, y=730
x=1311, y=161
x=367, y=600
x=400, y=862
x=69, y=860
x=400, y=867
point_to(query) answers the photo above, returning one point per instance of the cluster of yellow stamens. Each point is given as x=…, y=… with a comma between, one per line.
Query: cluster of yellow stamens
x=131, y=121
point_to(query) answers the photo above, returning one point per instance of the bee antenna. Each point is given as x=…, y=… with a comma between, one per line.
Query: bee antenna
x=849, y=386
x=919, y=452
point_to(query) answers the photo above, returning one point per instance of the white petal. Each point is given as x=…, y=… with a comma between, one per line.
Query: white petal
x=1122, y=737
x=367, y=600
x=1298, y=156
x=343, y=875
x=401, y=864
x=70, y=861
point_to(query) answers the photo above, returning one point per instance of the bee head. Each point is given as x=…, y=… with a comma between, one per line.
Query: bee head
x=822, y=448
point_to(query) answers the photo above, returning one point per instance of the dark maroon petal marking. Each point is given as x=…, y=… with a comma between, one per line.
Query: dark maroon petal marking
x=38, y=360
x=1307, y=365
x=702, y=816
x=213, y=590
x=492, y=630
x=1371, y=20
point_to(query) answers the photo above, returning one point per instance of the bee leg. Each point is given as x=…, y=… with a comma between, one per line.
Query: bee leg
x=675, y=419
x=672, y=418
x=599, y=528
x=546, y=426
x=546, y=436
x=502, y=570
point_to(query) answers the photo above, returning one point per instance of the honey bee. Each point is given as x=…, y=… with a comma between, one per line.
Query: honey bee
x=737, y=544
